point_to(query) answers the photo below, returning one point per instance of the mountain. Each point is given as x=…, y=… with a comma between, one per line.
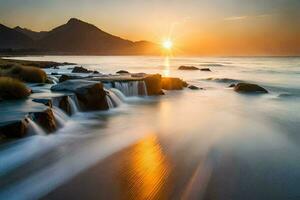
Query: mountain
x=78, y=38
x=32, y=34
x=12, y=39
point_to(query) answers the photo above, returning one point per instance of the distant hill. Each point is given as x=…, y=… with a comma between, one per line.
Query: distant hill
x=74, y=37
x=32, y=34
x=12, y=39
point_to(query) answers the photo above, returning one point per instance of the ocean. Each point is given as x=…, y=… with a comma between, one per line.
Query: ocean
x=212, y=143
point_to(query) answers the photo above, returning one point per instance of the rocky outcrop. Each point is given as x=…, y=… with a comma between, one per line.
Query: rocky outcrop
x=153, y=84
x=65, y=77
x=249, y=88
x=46, y=102
x=80, y=69
x=64, y=104
x=183, y=67
x=14, y=129
x=170, y=83
x=193, y=87
x=90, y=94
x=232, y=85
x=122, y=72
x=205, y=69
x=45, y=119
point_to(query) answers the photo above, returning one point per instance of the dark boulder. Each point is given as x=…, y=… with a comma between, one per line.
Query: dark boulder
x=185, y=84
x=67, y=77
x=65, y=105
x=193, y=87
x=14, y=129
x=183, y=67
x=170, y=83
x=232, y=85
x=45, y=119
x=96, y=72
x=46, y=102
x=205, y=69
x=122, y=72
x=80, y=69
x=153, y=84
x=90, y=94
x=249, y=88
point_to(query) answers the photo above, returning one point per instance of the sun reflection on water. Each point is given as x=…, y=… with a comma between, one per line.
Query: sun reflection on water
x=146, y=171
x=166, y=71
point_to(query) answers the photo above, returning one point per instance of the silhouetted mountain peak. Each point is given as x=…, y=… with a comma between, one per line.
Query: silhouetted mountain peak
x=76, y=21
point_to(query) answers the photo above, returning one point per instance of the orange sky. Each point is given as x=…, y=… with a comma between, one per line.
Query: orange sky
x=214, y=27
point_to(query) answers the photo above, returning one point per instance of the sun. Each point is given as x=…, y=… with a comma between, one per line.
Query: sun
x=167, y=44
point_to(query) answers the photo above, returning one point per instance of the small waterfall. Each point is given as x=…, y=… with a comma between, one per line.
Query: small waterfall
x=143, y=88
x=73, y=105
x=60, y=117
x=109, y=102
x=112, y=99
x=129, y=88
x=34, y=128
x=119, y=95
x=132, y=88
x=54, y=79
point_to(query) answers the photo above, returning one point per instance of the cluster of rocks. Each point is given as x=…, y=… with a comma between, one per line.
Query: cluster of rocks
x=191, y=68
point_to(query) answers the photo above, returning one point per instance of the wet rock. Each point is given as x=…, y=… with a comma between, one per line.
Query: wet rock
x=45, y=119
x=96, y=72
x=183, y=67
x=46, y=102
x=122, y=72
x=232, y=85
x=138, y=75
x=14, y=129
x=55, y=67
x=65, y=105
x=184, y=84
x=153, y=84
x=193, y=87
x=54, y=73
x=80, y=69
x=67, y=77
x=170, y=83
x=205, y=69
x=249, y=88
x=90, y=94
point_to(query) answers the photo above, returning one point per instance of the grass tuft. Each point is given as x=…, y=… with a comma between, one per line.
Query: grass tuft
x=11, y=88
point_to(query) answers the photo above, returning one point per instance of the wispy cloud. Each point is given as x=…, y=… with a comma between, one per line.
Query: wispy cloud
x=236, y=18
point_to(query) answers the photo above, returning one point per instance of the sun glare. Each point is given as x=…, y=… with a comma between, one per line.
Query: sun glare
x=167, y=44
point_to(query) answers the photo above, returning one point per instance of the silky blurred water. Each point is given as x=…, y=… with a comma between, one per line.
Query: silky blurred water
x=205, y=144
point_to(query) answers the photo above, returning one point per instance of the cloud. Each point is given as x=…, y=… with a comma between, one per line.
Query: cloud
x=236, y=18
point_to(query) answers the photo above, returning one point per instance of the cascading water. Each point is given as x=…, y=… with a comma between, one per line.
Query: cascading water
x=60, y=117
x=73, y=105
x=34, y=128
x=112, y=99
x=54, y=79
x=132, y=88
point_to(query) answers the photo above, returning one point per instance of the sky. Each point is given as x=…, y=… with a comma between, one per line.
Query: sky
x=202, y=27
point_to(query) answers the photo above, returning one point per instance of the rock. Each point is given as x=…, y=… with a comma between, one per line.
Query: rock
x=45, y=119
x=14, y=129
x=153, y=84
x=67, y=77
x=232, y=85
x=170, y=83
x=138, y=75
x=184, y=84
x=96, y=72
x=249, y=88
x=80, y=69
x=193, y=87
x=90, y=94
x=205, y=69
x=55, y=67
x=122, y=72
x=46, y=102
x=188, y=68
x=54, y=73
x=65, y=105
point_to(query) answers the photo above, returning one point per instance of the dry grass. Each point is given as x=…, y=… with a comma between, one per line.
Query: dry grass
x=11, y=88
x=23, y=73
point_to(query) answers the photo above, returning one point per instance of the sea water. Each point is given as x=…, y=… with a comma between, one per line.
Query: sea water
x=207, y=144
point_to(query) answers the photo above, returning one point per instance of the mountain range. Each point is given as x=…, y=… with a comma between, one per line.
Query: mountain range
x=76, y=37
